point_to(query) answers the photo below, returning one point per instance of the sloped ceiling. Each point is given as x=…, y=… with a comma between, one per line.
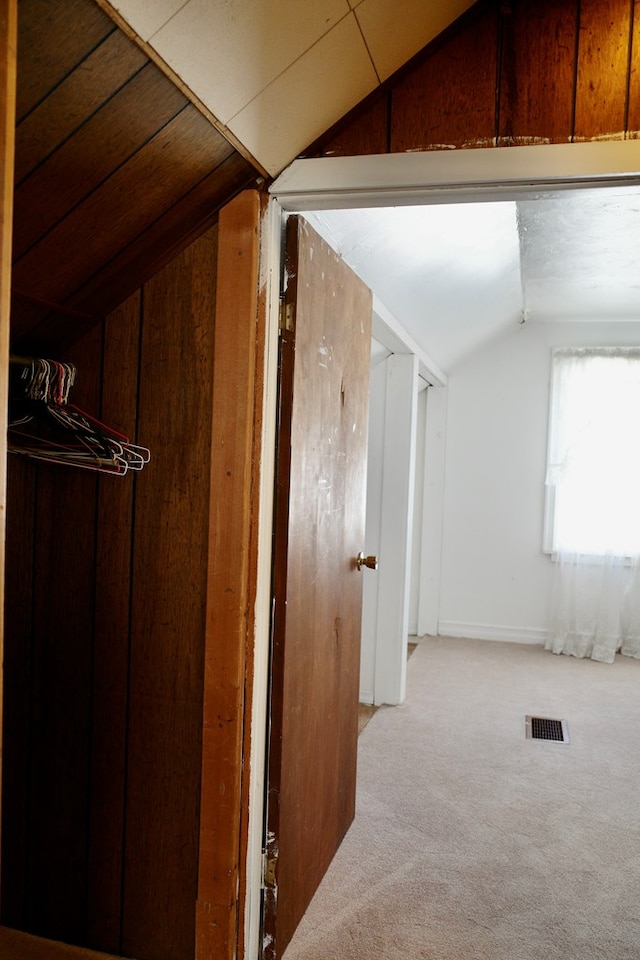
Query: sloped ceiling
x=278, y=73
x=115, y=171
x=450, y=273
x=457, y=275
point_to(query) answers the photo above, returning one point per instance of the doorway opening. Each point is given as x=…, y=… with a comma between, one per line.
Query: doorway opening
x=468, y=175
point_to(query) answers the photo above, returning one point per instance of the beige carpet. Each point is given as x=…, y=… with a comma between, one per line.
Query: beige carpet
x=471, y=841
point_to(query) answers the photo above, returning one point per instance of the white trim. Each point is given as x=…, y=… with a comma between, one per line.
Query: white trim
x=486, y=631
x=456, y=176
x=432, y=510
x=396, y=525
x=270, y=282
x=386, y=329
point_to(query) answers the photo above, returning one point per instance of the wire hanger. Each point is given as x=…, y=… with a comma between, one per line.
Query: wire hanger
x=43, y=424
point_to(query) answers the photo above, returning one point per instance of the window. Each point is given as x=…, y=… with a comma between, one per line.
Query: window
x=593, y=471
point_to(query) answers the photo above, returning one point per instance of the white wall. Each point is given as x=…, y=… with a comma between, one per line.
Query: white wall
x=496, y=581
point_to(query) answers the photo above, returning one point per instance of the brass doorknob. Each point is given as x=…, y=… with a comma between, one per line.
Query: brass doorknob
x=370, y=562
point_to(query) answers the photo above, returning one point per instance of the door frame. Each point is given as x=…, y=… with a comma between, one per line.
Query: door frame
x=390, y=525
x=383, y=180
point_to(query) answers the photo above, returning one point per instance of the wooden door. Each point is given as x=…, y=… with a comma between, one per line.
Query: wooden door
x=319, y=530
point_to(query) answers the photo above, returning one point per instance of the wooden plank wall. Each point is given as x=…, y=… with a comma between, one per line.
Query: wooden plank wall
x=520, y=72
x=116, y=171
x=8, y=64
x=105, y=626
x=228, y=664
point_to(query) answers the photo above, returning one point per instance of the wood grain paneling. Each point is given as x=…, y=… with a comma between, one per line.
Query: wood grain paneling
x=109, y=695
x=367, y=133
x=112, y=638
x=448, y=100
x=77, y=97
x=603, y=68
x=168, y=609
x=119, y=174
x=187, y=219
x=115, y=165
x=56, y=266
x=259, y=369
x=18, y=638
x=633, y=116
x=63, y=587
x=537, y=75
x=113, y=136
x=8, y=50
x=33, y=325
x=228, y=610
x=558, y=71
x=53, y=39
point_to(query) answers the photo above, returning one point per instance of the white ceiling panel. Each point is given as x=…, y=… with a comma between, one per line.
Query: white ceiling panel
x=229, y=52
x=146, y=18
x=238, y=56
x=316, y=88
x=395, y=32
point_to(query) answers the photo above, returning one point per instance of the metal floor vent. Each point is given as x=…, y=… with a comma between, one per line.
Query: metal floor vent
x=544, y=728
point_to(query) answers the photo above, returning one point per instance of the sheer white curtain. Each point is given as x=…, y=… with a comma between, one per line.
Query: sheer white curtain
x=593, y=491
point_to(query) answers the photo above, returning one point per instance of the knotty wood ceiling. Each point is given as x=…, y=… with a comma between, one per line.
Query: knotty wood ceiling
x=116, y=171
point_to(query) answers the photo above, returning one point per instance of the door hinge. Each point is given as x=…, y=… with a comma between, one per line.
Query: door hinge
x=287, y=313
x=268, y=871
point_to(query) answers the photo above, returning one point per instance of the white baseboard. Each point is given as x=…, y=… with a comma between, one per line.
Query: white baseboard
x=366, y=697
x=485, y=631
